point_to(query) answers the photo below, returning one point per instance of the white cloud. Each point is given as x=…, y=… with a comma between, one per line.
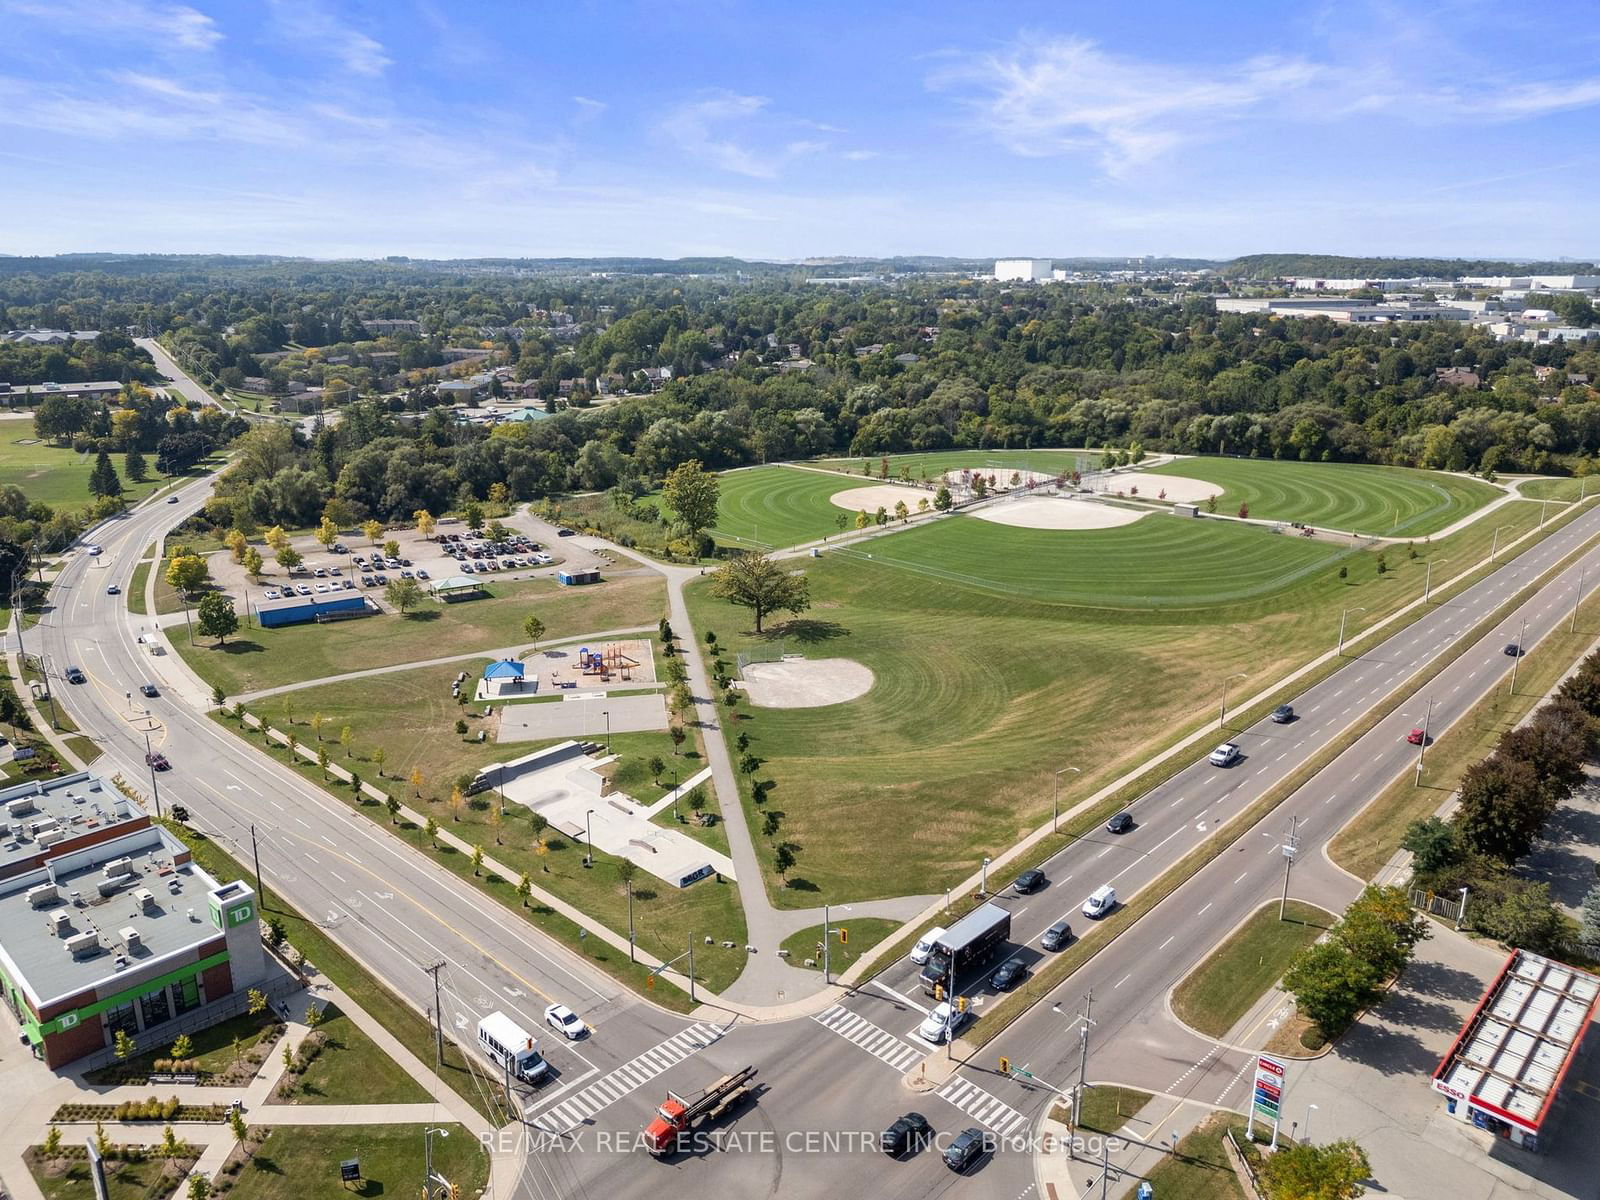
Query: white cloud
x=860, y=155
x=594, y=107
x=160, y=24
x=313, y=27
x=692, y=126
x=1069, y=94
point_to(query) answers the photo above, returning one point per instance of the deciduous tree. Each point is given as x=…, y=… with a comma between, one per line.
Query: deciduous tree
x=762, y=585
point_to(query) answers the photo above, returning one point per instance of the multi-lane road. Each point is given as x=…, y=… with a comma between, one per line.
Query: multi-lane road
x=838, y=1073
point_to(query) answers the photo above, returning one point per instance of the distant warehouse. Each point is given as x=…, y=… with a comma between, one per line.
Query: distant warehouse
x=292, y=610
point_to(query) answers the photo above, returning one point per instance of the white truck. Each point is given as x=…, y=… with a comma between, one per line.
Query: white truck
x=511, y=1048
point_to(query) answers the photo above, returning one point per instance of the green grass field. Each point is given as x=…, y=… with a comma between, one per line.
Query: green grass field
x=1383, y=501
x=258, y=658
x=60, y=476
x=983, y=691
x=301, y=1162
x=1222, y=989
x=937, y=462
x=1560, y=489
x=864, y=933
x=1160, y=561
x=779, y=506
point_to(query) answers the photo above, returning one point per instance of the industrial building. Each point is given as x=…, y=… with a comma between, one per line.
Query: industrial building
x=1023, y=269
x=1504, y=1072
x=110, y=927
x=290, y=610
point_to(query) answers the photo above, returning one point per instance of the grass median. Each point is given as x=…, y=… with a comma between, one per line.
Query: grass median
x=864, y=933
x=1222, y=989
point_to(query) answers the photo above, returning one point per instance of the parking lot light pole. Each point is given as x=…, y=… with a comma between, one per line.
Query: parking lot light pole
x=1055, y=798
x=1495, y=544
x=983, y=887
x=588, y=833
x=1224, y=715
x=607, y=715
x=1342, y=617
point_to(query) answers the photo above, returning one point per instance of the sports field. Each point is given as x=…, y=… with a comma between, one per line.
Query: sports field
x=1159, y=561
x=982, y=691
x=58, y=476
x=937, y=462
x=779, y=505
x=1382, y=501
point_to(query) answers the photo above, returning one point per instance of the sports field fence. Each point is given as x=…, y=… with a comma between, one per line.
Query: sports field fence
x=773, y=652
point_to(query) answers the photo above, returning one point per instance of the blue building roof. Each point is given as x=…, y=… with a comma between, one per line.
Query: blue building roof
x=504, y=669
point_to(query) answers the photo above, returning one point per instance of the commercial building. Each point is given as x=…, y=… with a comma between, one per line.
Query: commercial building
x=1505, y=1070
x=291, y=610
x=1023, y=269
x=45, y=818
x=32, y=393
x=1344, y=310
x=116, y=929
x=1559, y=283
x=34, y=336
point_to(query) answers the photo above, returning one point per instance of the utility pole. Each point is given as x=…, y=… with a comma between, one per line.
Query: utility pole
x=1055, y=799
x=1577, y=598
x=691, y=968
x=826, y=977
x=1290, y=849
x=1084, y=1023
x=1342, y=616
x=1223, y=717
x=438, y=1015
x=150, y=766
x=1516, y=658
x=1494, y=546
x=1427, y=580
x=261, y=883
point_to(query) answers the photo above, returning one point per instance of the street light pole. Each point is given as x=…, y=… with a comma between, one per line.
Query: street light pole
x=1310, y=1108
x=1055, y=798
x=1577, y=598
x=1342, y=616
x=155, y=788
x=1427, y=581
x=1516, y=658
x=1494, y=546
x=588, y=834
x=428, y=1188
x=1290, y=849
x=983, y=887
x=261, y=884
x=607, y=715
x=1224, y=715
x=1422, y=746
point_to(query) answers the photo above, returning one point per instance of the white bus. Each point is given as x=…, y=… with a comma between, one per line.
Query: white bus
x=503, y=1041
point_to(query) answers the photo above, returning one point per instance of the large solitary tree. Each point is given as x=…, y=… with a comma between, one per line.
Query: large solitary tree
x=216, y=617
x=756, y=582
x=691, y=492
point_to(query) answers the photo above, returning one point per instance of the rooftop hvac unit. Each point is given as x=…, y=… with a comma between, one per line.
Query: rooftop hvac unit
x=83, y=944
x=145, y=897
x=130, y=937
x=42, y=894
x=42, y=826
x=119, y=866
x=21, y=807
x=59, y=921
x=52, y=835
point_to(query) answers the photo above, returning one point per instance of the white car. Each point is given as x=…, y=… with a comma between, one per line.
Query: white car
x=1225, y=755
x=941, y=1021
x=272, y=593
x=563, y=1020
x=920, y=952
x=92, y=551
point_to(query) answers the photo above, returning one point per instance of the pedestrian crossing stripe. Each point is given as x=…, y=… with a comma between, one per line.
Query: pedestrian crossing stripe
x=627, y=1078
x=982, y=1107
x=875, y=1041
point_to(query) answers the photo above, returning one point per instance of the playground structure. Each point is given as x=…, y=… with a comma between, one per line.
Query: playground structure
x=610, y=660
x=628, y=661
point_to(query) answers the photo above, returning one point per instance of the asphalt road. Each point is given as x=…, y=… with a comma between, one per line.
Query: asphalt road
x=381, y=899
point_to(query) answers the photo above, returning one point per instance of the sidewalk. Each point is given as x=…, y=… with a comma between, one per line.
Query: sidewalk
x=1143, y=1143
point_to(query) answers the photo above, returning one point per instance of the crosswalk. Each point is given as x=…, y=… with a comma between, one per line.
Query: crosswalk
x=982, y=1107
x=628, y=1078
x=877, y=1042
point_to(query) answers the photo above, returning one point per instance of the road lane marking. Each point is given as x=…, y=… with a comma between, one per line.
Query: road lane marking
x=1166, y=943
x=1241, y=876
x=1122, y=981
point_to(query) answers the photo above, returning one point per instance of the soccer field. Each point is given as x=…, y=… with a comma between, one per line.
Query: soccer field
x=57, y=476
x=779, y=505
x=1381, y=501
x=1159, y=561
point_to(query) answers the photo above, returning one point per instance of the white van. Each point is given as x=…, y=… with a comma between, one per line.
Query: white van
x=919, y=952
x=502, y=1040
x=1101, y=902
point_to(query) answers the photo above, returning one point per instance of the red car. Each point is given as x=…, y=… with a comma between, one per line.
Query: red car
x=158, y=761
x=1415, y=737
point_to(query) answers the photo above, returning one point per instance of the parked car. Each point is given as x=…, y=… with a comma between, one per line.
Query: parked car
x=564, y=532
x=1029, y=881
x=148, y=690
x=1010, y=973
x=304, y=589
x=347, y=584
x=381, y=580
x=1057, y=936
x=335, y=570
x=422, y=573
x=562, y=1019
x=323, y=588
x=1120, y=823
x=1416, y=737
x=1283, y=714
x=924, y=946
x=340, y=548
x=366, y=581
x=941, y=1020
x=271, y=593
x=406, y=575
x=320, y=572
x=1225, y=755
x=965, y=1150
x=908, y=1135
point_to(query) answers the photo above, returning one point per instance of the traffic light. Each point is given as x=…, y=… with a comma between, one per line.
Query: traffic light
x=1005, y=1065
x=844, y=936
x=938, y=992
x=961, y=1004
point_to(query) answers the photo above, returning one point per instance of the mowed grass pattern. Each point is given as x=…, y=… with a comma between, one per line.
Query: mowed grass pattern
x=1382, y=501
x=1159, y=561
x=937, y=462
x=780, y=505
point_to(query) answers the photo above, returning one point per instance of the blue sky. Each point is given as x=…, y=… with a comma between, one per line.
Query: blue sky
x=453, y=127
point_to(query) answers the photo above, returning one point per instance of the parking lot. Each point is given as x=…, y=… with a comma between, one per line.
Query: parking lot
x=353, y=565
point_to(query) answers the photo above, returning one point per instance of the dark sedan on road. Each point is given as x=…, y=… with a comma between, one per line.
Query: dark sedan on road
x=158, y=761
x=1120, y=823
x=1029, y=881
x=148, y=690
x=965, y=1150
x=1513, y=650
x=1283, y=714
x=1010, y=973
x=908, y=1135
